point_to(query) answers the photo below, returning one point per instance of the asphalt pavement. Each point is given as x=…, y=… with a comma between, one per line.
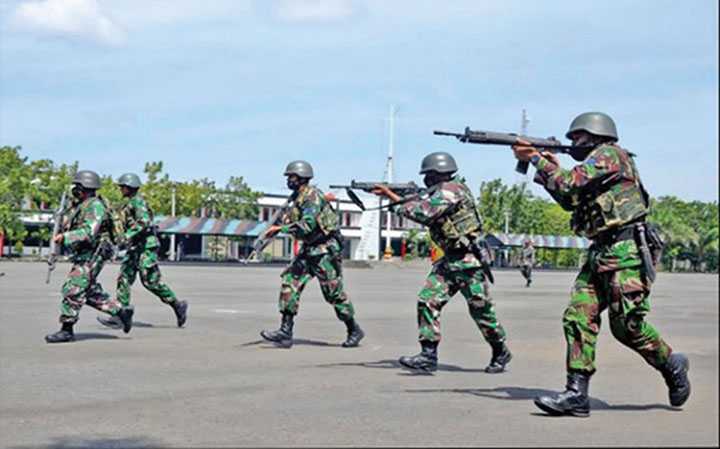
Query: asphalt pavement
x=214, y=383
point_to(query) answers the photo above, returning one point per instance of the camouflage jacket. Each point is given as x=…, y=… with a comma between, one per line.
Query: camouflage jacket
x=312, y=220
x=603, y=192
x=137, y=224
x=527, y=256
x=432, y=211
x=88, y=224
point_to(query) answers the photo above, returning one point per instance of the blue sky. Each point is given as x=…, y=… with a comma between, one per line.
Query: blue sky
x=221, y=88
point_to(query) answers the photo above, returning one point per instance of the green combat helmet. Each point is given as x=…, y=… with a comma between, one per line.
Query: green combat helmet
x=130, y=180
x=300, y=168
x=596, y=123
x=440, y=162
x=88, y=179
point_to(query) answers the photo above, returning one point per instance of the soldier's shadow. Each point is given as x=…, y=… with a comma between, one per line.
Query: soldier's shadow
x=296, y=342
x=94, y=336
x=394, y=364
x=526, y=394
x=142, y=324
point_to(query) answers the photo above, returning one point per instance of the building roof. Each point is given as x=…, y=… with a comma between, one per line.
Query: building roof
x=543, y=241
x=209, y=226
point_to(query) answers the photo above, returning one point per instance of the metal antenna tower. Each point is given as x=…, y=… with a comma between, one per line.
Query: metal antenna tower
x=388, y=176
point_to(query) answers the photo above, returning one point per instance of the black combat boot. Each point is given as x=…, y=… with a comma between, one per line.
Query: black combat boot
x=501, y=356
x=125, y=315
x=573, y=401
x=65, y=334
x=675, y=373
x=426, y=360
x=283, y=336
x=113, y=322
x=354, y=334
x=180, y=309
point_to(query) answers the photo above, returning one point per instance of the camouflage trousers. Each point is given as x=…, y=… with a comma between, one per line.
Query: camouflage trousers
x=526, y=271
x=80, y=288
x=328, y=269
x=146, y=262
x=440, y=286
x=612, y=279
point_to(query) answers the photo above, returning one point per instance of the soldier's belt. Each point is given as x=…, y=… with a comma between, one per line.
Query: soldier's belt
x=625, y=232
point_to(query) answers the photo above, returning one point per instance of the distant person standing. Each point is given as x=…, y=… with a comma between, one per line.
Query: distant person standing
x=527, y=261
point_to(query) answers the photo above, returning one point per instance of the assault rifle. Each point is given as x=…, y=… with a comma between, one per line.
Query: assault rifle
x=402, y=189
x=57, y=225
x=262, y=241
x=550, y=144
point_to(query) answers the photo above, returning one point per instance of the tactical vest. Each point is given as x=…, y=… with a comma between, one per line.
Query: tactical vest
x=112, y=229
x=459, y=226
x=327, y=218
x=126, y=218
x=78, y=216
x=620, y=202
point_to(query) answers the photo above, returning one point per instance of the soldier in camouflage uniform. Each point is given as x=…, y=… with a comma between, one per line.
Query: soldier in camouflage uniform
x=527, y=260
x=448, y=210
x=89, y=234
x=141, y=241
x=312, y=220
x=609, y=205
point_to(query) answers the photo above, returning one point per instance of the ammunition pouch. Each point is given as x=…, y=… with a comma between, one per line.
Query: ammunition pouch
x=609, y=210
x=319, y=238
x=618, y=234
x=327, y=220
x=460, y=221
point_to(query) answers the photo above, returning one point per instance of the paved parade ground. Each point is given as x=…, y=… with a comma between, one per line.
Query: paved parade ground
x=215, y=384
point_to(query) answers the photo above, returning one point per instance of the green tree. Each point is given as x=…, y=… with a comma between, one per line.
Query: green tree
x=157, y=189
x=670, y=214
x=14, y=183
x=238, y=200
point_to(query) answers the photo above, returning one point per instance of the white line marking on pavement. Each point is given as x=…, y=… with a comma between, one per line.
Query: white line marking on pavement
x=231, y=311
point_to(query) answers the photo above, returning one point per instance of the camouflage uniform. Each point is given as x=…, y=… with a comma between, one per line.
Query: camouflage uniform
x=606, y=197
x=142, y=252
x=312, y=220
x=89, y=239
x=459, y=269
x=527, y=260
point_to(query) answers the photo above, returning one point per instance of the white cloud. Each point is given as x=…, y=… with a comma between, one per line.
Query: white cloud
x=314, y=10
x=76, y=18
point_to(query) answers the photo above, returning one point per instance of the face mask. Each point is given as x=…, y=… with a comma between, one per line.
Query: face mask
x=77, y=191
x=293, y=183
x=429, y=180
x=433, y=178
x=579, y=154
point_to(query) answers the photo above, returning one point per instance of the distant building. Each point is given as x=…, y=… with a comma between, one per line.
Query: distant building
x=202, y=238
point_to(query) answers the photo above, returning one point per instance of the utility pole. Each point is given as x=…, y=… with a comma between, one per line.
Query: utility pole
x=172, y=236
x=389, y=176
x=524, y=123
